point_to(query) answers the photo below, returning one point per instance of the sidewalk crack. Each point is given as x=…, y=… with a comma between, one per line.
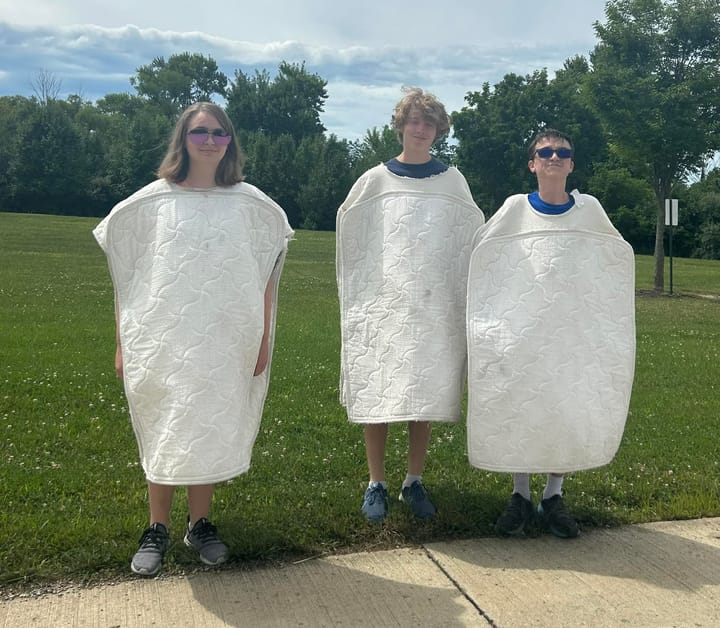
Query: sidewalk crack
x=462, y=591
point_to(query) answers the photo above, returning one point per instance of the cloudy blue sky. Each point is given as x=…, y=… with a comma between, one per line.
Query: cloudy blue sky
x=366, y=51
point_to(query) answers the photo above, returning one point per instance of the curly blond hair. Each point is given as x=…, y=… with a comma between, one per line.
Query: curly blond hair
x=415, y=99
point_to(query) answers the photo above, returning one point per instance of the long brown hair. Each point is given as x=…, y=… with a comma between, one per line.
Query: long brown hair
x=176, y=163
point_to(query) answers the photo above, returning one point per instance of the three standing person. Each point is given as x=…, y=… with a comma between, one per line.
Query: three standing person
x=195, y=259
x=404, y=237
x=536, y=306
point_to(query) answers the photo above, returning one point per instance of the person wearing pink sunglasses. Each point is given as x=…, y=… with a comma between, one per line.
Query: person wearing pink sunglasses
x=195, y=259
x=551, y=339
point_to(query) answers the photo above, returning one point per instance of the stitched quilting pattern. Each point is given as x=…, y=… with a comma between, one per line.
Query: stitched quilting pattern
x=402, y=272
x=551, y=342
x=190, y=272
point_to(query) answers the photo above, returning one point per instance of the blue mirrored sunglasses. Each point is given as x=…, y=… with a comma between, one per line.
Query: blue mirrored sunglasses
x=547, y=152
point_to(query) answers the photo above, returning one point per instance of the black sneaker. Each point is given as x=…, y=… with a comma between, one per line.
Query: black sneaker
x=556, y=518
x=203, y=538
x=153, y=545
x=518, y=514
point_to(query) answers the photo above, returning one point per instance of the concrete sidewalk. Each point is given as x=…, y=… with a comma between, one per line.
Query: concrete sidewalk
x=661, y=574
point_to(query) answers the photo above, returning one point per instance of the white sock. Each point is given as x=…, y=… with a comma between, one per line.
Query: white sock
x=521, y=484
x=553, y=486
x=409, y=479
x=382, y=483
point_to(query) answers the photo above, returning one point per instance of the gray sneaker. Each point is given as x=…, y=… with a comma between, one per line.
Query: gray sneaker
x=203, y=537
x=153, y=545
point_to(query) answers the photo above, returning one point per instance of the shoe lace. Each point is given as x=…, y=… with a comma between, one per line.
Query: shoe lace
x=515, y=507
x=375, y=494
x=152, y=538
x=205, y=531
x=559, y=512
x=416, y=492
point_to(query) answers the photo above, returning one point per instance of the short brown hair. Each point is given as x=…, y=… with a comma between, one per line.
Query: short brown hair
x=427, y=104
x=547, y=134
x=175, y=165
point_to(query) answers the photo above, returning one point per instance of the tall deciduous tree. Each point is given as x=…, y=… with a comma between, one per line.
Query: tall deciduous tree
x=656, y=86
x=180, y=81
x=51, y=172
x=376, y=147
x=495, y=127
x=289, y=104
x=324, y=181
x=493, y=130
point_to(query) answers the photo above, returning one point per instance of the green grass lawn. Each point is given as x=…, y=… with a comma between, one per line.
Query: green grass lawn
x=73, y=494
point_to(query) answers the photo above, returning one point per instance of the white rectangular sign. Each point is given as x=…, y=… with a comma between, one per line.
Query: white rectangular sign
x=671, y=212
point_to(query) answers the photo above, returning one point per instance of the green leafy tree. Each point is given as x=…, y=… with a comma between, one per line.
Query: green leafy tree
x=132, y=133
x=51, y=171
x=15, y=111
x=376, y=147
x=703, y=209
x=494, y=128
x=247, y=101
x=180, y=81
x=628, y=200
x=272, y=167
x=325, y=180
x=298, y=99
x=289, y=104
x=656, y=87
x=274, y=118
x=569, y=110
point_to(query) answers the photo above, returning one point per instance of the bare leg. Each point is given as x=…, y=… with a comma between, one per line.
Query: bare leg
x=375, y=439
x=160, y=497
x=199, y=500
x=419, y=439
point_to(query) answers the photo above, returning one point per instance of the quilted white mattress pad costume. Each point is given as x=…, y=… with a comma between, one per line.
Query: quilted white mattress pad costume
x=551, y=339
x=403, y=248
x=190, y=268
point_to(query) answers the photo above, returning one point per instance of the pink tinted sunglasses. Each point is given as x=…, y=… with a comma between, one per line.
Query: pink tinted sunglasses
x=199, y=135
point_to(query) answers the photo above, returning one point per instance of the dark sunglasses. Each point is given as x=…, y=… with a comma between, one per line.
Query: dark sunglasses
x=547, y=152
x=199, y=135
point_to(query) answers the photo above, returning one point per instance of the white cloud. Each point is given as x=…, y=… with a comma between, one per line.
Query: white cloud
x=365, y=53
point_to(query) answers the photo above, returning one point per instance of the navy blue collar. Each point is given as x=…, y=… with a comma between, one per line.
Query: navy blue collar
x=416, y=171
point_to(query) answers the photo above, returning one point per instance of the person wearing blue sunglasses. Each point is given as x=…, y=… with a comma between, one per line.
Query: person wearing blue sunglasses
x=195, y=259
x=551, y=339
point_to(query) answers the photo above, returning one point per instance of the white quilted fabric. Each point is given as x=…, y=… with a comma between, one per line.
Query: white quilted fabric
x=190, y=269
x=403, y=248
x=551, y=339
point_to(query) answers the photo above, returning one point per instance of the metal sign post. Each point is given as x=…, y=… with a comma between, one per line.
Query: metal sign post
x=671, y=220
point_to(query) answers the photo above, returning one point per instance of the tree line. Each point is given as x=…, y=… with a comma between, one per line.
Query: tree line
x=643, y=109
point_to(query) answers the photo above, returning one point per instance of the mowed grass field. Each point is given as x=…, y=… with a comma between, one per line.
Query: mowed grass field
x=73, y=495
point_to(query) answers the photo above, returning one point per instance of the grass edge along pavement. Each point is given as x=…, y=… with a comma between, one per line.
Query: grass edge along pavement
x=74, y=495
